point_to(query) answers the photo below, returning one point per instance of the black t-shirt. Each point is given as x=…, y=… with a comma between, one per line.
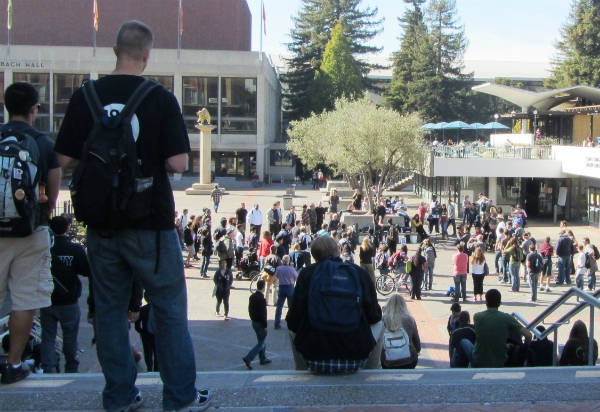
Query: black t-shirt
x=241, y=214
x=462, y=332
x=158, y=123
x=532, y=259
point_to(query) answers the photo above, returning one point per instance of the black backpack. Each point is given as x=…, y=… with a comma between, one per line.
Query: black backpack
x=303, y=242
x=19, y=181
x=219, y=232
x=108, y=188
x=393, y=233
x=221, y=247
x=519, y=254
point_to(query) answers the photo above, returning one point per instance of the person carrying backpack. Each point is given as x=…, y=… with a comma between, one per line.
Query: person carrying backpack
x=392, y=237
x=322, y=339
x=535, y=266
x=402, y=344
x=592, y=251
x=381, y=260
x=135, y=235
x=29, y=195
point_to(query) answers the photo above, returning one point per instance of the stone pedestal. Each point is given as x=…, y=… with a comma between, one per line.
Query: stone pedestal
x=204, y=187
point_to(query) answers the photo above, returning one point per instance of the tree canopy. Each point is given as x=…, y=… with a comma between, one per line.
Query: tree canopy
x=359, y=138
x=577, y=58
x=312, y=30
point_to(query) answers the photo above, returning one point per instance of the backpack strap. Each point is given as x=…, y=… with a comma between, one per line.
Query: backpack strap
x=137, y=97
x=91, y=97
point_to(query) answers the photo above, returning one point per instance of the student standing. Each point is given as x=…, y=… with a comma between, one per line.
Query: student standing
x=257, y=309
x=223, y=280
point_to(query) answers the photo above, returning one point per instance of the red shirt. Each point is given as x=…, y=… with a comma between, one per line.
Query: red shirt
x=459, y=264
x=264, y=248
x=546, y=249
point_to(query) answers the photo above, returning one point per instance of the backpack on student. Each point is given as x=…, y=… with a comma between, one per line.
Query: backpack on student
x=396, y=349
x=335, y=297
x=221, y=247
x=380, y=261
x=539, y=263
x=519, y=254
x=393, y=233
x=19, y=180
x=108, y=188
x=303, y=242
x=588, y=261
x=394, y=260
x=596, y=252
x=219, y=232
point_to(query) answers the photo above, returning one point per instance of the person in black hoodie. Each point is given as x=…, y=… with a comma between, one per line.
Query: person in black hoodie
x=257, y=309
x=69, y=260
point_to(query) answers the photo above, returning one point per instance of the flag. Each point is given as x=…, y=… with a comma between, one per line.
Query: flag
x=96, y=15
x=9, y=9
x=180, y=18
x=264, y=17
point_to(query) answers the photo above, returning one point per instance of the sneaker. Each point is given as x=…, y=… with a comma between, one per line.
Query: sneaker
x=12, y=375
x=548, y=290
x=501, y=282
x=201, y=403
x=247, y=362
x=135, y=404
x=266, y=361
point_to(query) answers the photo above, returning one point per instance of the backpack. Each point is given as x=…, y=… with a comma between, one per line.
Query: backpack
x=393, y=233
x=221, y=247
x=335, y=297
x=596, y=252
x=519, y=254
x=380, y=261
x=393, y=260
x=396, y=349
x=19, y=180
x=303, y=242
x=108, y=188
x=219, y=232
x=588, y=261
x=539, y=263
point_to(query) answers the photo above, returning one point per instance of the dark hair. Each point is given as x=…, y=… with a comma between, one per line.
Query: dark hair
x=493, y=298
x=579, y=331
x=19, y=98
x=134, y=39
x=464, y=317
x=260, y=284
x=459, y=247
x=455, y=307
x=59, y=225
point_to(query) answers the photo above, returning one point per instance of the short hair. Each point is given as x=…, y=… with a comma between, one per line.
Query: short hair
x=59, y=225
x=455, y=307
x=459, y=248
x=464, y=317
x=274, y=249
x=493, y=298
x=134, y=39
x=260, y=284
x=324, y=247
x=285, y=260
x=19, y=97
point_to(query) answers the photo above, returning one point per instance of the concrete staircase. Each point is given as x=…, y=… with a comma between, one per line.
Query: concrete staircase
x=401, y=184
x=262, y=389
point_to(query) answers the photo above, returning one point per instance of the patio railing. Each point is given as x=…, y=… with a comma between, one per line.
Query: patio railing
x=497, y=152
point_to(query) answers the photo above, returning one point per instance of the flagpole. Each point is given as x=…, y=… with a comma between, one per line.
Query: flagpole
x=262, y=18
x=9, y=24
x=179, y=17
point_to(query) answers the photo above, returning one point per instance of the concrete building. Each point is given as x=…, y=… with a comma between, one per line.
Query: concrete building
x=52, y=46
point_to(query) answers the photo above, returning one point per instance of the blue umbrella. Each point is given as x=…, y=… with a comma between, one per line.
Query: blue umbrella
x=456, y=125
x=438, y=126
x=427, y=126
x=494, y=126
x=476, y=126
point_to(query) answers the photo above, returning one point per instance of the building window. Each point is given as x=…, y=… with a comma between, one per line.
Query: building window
x=238, y=105
x=41, y=82
x=282, y=158
x=64, y=87
x=165, y=81
x=199, y=93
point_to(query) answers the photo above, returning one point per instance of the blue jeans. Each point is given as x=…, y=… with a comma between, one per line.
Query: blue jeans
x=564, y=269
x=591, y=279
x=216, y=206
x=466, y=347
x=533, y=285
x=514, y=276
x=285, y=292
x=260, y=348
x=444, y=228
x=114, y=257
x=497, y=257
x=68, y=317
x=204, y=265
x=460, y=287
x=429, y=276
x=504, y=263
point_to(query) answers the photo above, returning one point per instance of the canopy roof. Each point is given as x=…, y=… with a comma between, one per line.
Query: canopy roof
x=540, y=100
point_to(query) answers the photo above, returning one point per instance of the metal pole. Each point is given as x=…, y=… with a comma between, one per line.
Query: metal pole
x=555, y=346
x=591, y=342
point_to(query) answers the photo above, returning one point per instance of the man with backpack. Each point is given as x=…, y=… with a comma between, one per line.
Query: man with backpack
x=323, y=340
x=130, y=217
x=392, y=237
x=535, y=265
x=24, y=239
x=593, y=254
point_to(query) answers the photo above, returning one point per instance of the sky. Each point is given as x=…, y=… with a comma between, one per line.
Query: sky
x=501, y=30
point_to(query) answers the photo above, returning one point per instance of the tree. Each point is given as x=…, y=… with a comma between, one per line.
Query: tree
x=339, y=73
x=577, y=59
x=428, y=67
x=357, y=138
x=309, y=36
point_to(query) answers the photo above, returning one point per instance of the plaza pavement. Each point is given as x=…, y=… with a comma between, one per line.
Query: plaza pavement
x=220, y=345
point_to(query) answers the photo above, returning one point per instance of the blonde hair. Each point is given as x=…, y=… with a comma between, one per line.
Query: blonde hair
x=394, y=312
x=366, y=244
x=478, y=256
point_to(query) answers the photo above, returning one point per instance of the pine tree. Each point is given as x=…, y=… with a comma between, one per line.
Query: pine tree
x=577, y=59
x=339, y=73
x=309, y=36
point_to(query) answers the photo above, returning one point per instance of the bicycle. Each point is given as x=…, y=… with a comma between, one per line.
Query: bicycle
x=389, y=282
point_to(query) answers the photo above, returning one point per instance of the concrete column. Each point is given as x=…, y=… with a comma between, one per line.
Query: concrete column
x=205, y=187
x=492, y=188
x=523, y=122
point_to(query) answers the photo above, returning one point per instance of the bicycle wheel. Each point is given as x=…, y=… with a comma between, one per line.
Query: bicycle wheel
x=253, y=283
x=385, y=284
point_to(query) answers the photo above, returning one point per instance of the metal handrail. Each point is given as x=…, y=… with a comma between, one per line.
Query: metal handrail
x=495, y=152
x=590, y=301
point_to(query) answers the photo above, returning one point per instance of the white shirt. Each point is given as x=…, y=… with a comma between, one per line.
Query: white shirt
x=477, y=269
x=308, y=241
x=239, y=239
x=184, y=221
x=255, y=217
x=501, y=225
x=433, y=205
x=280, y=214
x=401, y=206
